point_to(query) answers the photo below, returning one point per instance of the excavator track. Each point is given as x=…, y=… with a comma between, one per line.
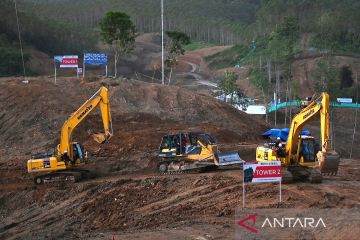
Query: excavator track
x=286, y=176
x=305, y=173
x=64, y=176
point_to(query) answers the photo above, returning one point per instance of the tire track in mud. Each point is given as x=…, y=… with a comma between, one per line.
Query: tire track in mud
x=210, y=195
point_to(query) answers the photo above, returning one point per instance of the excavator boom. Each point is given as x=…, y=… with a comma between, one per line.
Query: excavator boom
x=100, y=98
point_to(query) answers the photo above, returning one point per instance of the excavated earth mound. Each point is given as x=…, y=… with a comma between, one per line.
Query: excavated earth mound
x=31, y=116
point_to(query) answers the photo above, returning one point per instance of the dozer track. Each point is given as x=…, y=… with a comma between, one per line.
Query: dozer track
x=179, y=166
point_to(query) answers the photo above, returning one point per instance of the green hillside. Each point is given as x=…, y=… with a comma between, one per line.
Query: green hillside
x=277, y=27
x=45, y=34
x=220, y=22
x=285, y=30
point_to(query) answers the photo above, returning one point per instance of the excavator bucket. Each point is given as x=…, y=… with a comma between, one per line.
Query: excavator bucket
x=329, y=162
x=99, y=137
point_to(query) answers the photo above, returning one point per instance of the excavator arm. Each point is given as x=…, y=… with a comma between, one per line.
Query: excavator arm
x=100, y=98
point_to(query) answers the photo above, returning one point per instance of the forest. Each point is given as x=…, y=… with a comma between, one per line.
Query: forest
x=45, y=34
x=270, y=33
x=220, y=22
x=288, y=30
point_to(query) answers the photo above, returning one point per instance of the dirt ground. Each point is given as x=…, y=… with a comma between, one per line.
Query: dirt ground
x=128, y=200
x=148, y=206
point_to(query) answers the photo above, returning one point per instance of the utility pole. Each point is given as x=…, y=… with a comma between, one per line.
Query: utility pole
x=356, y=113
x=20, y=42
x=162, y=44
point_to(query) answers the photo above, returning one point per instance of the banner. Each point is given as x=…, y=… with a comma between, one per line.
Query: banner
x=262, y=172
x=344, y=100
x=68, y=61
x=95, y=59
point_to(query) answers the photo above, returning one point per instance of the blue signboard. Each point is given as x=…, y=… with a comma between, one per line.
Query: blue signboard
x=95, y=59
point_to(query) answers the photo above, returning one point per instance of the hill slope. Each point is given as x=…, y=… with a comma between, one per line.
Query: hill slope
x=31, y=117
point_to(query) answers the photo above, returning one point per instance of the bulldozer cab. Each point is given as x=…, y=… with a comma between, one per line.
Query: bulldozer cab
x=189, y=143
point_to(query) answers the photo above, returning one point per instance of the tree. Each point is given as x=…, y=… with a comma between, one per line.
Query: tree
x=228, y=87
x=118, y=31
x=327, y=77
x=175, y=48
x=11, y=61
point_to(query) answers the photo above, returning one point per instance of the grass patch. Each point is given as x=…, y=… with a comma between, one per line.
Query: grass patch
x=227, y=58
x=198, y=45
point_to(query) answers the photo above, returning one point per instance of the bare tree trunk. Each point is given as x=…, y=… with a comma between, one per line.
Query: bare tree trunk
x=286, y=99
x=269, y=70
x=170, y=74
x=290, y=98
x=277, y=82
x=153, y=76
x=116, y=61
x=266, y=112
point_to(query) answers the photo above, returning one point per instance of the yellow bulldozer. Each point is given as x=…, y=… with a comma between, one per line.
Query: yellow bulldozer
x=301, y=157
x=65, y=164
x=189, y=151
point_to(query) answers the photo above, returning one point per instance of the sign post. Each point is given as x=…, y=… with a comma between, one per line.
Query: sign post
x=79, y=71
x=66, y=61
x=97, y=59
x=83, y=73
x=55, y=69
x=243, y=192
x=261, y=172
x=280, y=189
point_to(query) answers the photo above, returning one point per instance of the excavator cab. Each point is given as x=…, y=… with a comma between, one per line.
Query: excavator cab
x=307, y=151
x=79, y=153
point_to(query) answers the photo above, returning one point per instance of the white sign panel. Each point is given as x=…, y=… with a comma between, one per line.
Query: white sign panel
x=262, y=171
x=344, y=100
x=253, y=109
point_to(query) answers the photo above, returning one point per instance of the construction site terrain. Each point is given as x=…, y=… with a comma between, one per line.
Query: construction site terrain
x=128, y=199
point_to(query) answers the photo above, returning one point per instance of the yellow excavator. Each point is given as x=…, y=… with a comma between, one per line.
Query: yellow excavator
x=64, y=165
x=189, y=151
x=301, y=156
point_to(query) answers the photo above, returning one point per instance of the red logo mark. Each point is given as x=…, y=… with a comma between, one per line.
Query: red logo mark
x=250, y=228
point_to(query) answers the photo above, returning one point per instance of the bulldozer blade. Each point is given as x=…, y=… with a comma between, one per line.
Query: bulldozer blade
x=329, y=162
x=229, y=158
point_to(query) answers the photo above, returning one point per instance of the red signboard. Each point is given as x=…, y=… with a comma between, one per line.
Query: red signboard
x=262, y=171
x=68, y=61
